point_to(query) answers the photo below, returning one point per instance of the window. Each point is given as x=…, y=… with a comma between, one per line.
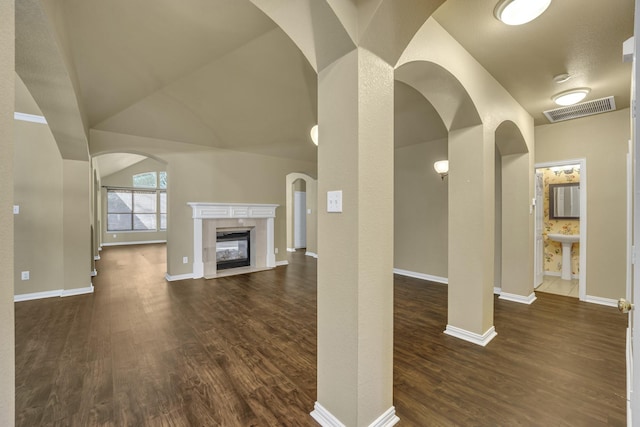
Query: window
x=146, y=180
x=139, y=210
x=131, y=210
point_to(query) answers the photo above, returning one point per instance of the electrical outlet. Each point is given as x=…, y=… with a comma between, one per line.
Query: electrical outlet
x=25, y=275
x=276, y=250
x=115, y=235
x=185, y=259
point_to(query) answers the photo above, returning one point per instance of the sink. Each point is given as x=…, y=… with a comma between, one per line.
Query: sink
x=567, y=240
x=564, y=238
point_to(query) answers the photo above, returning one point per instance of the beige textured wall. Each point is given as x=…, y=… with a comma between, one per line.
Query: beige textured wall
x=420, y=209
x=38, y=192
x=7, y=320
x=124, y=178
x=76, y=178
x=603, y=141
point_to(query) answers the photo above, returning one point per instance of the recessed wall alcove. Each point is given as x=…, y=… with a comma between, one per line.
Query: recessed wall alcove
x=211, y=218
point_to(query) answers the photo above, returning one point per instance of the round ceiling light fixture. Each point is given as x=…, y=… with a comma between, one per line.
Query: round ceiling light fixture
x=518, y=12
x=314, y=134
x=570, y=97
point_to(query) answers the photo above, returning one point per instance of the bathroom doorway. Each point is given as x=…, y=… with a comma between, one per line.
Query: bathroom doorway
x=560, y=228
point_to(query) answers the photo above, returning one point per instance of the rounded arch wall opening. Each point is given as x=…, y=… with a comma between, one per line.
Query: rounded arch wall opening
x=306, y=189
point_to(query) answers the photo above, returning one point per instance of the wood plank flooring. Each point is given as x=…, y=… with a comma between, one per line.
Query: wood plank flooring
x=241, y=351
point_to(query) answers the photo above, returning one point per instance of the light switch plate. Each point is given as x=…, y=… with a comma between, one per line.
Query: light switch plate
x=334, y=201
x=16, y=209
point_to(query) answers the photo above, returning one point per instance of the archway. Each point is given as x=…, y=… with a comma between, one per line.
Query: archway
x=129, y=200
x=300, y=182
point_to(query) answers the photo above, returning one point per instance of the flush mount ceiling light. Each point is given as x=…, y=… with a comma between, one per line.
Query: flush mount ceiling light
x=518, y=12
x=442, y=167
x=570, y=97
x=314, y=134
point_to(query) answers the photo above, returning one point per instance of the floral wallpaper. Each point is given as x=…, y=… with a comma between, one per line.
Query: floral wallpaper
x=553, y=250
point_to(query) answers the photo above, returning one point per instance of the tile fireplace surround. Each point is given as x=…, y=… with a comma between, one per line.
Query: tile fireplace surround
x=209, y=218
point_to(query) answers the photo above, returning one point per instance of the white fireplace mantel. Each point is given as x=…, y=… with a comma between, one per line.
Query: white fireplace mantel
x=204, y=211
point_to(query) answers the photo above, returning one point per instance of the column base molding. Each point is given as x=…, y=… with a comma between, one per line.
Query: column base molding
x=472, y=337
x=518, y=298
x=327, y=419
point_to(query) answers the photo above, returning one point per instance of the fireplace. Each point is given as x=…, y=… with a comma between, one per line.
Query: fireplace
x=233, y=249
x=209, y=219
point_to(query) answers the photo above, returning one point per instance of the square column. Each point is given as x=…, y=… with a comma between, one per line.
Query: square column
x=355, y=246
x=471, y=235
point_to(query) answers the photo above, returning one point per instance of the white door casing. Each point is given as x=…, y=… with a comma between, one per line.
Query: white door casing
x=539, y=225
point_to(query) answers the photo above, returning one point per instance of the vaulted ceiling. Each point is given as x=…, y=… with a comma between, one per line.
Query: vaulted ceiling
x=220, y=73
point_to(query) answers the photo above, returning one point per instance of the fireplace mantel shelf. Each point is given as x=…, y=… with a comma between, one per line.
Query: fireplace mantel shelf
x=264, y=213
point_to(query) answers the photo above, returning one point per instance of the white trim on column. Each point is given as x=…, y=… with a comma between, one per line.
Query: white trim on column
x=388, y=419
x=472, y=337
x=77, y=291
x=518, y=298
x=291, y=249
x=497, y=290
x=186, y=276
x=94, y=273
x=324, y=417
x=422, y=276
x=281, y=263
x=311, y=254
x=271, y=255
x=96, y=258
x=327, y=419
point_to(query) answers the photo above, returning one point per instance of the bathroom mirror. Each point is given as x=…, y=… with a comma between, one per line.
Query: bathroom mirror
x=564, y=201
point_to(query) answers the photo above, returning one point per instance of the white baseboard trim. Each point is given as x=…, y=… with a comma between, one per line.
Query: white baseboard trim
x=57, y=293
x=324, y=417
x=99, y=248
x=96, y=258
x=602, y=301
x=171, y=278
x=94, y=273
x=77, y=291
x=422, y=276
x=327, y=419
x=311, y=254
x=291, y=249
x=143, y=242
x=559, y=274
x=37, y=295
x=518, y=298
x=474, y=338
x=279, y=263
x=497, y=290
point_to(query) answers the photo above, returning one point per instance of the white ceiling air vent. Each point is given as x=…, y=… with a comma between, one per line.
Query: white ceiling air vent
x=602, y=105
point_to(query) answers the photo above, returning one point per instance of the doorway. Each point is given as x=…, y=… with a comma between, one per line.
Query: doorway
x=560, y=228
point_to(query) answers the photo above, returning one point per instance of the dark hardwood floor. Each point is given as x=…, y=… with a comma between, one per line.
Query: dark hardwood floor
x=241, y=351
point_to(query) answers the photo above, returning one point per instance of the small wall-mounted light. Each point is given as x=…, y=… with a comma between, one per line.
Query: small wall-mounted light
x=314, y=134
x=442, y=167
